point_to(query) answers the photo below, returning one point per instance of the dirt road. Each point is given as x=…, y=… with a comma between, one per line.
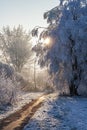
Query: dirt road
x=19, y=119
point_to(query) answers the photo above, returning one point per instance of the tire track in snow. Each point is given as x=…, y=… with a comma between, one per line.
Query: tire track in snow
x=19, y=119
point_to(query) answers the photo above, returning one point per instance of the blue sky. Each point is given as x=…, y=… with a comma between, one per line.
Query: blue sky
x=28, y=13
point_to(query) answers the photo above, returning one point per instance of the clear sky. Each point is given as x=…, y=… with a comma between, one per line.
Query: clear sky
x=28, y=13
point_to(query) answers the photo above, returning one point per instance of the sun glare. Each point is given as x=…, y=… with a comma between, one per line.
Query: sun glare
x=48, y=42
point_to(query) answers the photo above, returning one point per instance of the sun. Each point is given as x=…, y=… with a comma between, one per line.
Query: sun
x=47, y=42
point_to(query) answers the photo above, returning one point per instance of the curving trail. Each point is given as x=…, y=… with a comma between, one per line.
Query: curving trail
x=19, y=119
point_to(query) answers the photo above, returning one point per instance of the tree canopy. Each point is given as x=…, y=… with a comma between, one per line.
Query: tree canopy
x=66, y=58
x=16, y=46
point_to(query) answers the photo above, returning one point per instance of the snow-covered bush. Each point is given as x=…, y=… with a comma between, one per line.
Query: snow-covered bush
x=8, y=86
x=67, y=55
x=8, y=70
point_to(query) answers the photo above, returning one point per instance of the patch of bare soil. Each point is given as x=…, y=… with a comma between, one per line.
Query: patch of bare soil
x=19, y=119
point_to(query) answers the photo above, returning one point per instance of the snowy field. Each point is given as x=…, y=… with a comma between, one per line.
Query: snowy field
x=60, y=113
x=22, y=99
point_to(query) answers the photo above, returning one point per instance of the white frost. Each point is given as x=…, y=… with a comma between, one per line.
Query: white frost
x=22, y=99
x=60, y=113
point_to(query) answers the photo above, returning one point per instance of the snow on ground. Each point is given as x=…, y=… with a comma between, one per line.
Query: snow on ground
x=22, y=99
x=60, y=113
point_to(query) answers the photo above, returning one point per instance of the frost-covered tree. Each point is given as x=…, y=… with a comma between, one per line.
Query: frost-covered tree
x=16, y=46
x=66, y=55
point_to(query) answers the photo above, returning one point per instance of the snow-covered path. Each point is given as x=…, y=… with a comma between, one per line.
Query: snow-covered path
x=60, y=113
x=22, y=99
x=19, y=119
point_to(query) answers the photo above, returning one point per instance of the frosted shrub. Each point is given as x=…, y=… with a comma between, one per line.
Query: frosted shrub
x=7, y=90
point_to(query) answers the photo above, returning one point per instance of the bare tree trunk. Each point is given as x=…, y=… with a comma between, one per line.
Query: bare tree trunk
x=73, y=86
x=35, y=73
